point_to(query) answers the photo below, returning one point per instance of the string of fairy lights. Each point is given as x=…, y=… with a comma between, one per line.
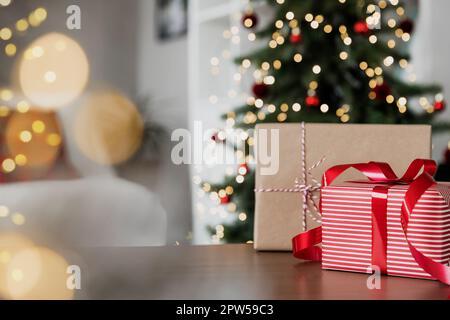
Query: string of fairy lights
x=8, y=164
x=7, y=33
x=288, y=30
x=7, y=96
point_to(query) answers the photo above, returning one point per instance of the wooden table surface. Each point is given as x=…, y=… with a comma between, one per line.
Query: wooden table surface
x=229, y=272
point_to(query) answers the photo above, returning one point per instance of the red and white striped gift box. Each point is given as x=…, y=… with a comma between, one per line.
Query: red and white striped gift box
x=347, y=228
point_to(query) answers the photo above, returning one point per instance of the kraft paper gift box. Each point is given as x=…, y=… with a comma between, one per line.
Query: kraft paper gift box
x=304, y=153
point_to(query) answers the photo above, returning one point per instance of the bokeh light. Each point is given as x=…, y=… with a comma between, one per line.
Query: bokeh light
x=36, y=273
x=108, y=128
x=10, y=244
x=53, y=71
x=5, y=3
x=27, y=138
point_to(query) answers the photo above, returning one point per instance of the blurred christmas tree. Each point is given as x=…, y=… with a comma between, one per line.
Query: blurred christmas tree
x=326, y=61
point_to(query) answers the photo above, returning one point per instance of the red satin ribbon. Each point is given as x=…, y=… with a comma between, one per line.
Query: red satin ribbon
x=379, y=227
x=305, y=244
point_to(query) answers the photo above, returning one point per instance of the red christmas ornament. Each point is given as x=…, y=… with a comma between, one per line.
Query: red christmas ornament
x=249, y=20
x=243, y=169
x=295, y=38
x=361, y=27
x=407, y=25
x=260, y=90
x=439, y=105
x=382, y=91
x=225, y=199
x=312, y=101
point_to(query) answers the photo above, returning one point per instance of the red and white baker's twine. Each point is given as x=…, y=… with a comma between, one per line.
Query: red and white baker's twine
x=307, y=190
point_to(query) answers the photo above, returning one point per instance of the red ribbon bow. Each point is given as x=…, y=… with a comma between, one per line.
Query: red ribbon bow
x=305, y=244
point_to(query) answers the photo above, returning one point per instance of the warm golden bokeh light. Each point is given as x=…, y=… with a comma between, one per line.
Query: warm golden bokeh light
x=21, y=160
x=10, y=244
x=8, y=165
x=27, y=134
x=18, y=218
x=6, y=94
x=41, y=14
x=23, y=106
x=5, y=3
x=53, y=71
x=28, y=271
x=5, y=34
x=108, y=128
x=36, y=273
x=22, y=25
x=10, y=49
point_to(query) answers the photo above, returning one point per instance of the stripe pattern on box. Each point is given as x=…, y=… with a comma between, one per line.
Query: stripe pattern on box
x=347, y=228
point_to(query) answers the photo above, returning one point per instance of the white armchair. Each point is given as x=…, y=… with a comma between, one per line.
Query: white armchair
x=98, y=209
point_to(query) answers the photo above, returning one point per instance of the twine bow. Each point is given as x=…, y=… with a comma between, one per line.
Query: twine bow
x=302, y=186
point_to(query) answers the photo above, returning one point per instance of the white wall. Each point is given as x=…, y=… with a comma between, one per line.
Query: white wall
x=111, y=48
x=431, y=52
x=162, y=74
